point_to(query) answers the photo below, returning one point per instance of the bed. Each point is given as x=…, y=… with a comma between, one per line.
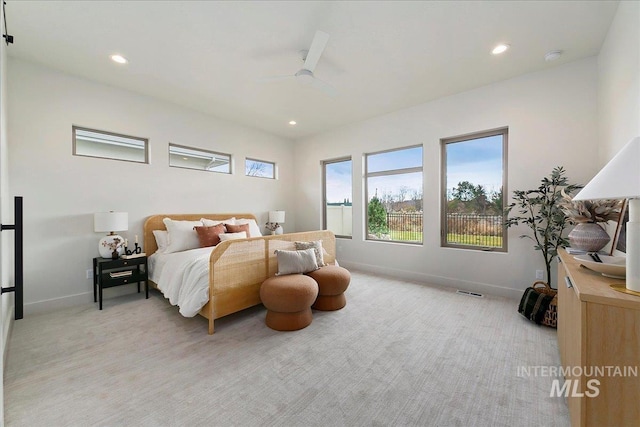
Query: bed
x=236, y=268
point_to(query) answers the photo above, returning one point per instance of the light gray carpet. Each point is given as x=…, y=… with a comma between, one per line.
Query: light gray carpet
x=399, y=353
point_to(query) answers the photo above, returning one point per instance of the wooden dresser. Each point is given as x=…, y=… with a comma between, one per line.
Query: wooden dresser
x=598, y=327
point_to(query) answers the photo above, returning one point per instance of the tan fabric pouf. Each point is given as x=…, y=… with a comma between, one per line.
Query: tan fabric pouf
x=332, y=282
x=288, y=301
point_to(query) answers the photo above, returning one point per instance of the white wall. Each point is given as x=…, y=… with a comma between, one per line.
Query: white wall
x=619, y=82
x=6, y=274
x=61, y=191
x=551, y=117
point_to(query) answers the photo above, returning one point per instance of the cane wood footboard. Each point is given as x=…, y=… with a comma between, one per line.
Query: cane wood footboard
x=237, y=268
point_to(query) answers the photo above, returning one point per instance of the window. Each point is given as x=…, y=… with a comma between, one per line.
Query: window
x=337, y=196
x=259, y=168
x=473, y=185
x=196, y=158
x=109, y=145
x=394, y=195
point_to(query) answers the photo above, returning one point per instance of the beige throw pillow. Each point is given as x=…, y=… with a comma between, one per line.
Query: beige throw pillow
x=317, y=249
x=296, y=262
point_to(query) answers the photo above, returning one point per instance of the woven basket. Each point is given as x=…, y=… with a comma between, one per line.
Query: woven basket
x=551, y=315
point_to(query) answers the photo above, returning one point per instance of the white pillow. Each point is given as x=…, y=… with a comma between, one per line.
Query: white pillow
x=182, y=236
x=232, y=236
x=254, y=230
x=162, y=237
x=210, y=222
x=296, y=262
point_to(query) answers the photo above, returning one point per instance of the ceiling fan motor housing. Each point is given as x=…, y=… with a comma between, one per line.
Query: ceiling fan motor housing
x=305, y=76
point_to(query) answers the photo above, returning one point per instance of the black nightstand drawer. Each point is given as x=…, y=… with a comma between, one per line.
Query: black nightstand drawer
x=120, y=263
x=109, y=281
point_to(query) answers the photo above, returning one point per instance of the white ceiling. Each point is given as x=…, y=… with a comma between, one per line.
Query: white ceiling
x=381, y=56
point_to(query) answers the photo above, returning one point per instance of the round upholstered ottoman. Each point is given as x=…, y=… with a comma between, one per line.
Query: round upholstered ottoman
x=332, y=282
x=288, y=301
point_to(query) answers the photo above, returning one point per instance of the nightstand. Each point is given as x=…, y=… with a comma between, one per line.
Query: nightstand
x=108, y=273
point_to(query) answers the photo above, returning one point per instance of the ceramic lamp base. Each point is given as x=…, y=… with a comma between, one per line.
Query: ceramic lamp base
x=621, y=287
x=278, y=230
x=107, y=242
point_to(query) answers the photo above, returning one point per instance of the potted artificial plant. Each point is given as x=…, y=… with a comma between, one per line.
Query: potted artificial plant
x=540, y=210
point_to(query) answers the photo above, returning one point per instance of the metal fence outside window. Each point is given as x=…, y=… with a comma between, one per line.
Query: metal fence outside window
x=405, y=226
x=475, y=229
x=462, y=229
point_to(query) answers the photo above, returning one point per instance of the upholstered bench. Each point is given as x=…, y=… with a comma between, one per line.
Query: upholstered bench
x=332, y=282
x=288, y=300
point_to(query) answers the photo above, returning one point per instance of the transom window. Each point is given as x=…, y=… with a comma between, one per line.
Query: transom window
x=259, y=168
x=181, y=156
x=109, y=145
x=473, y=185
x=394, y=195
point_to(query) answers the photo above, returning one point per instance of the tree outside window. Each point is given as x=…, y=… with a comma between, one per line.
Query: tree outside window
x=394, y=195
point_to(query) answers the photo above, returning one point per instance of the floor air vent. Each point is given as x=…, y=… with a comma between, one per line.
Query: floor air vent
x=471, y=294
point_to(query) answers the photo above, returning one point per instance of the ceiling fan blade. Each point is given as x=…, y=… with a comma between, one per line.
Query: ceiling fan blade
x=325, y=87
x=317, y=47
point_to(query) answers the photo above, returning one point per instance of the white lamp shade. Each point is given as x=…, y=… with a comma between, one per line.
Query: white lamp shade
x=276, y=216
x=110, y=221
x=619, y=179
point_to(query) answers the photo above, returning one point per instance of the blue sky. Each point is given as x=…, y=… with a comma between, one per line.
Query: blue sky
x=478, y=161
x=408, y=158
x=338, y=176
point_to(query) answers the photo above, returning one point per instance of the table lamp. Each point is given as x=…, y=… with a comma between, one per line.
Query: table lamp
x=620, y=179
x=112, y=245
x=276, y=218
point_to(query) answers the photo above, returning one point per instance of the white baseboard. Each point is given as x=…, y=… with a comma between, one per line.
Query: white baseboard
x=45, y=306
x=482, y=288
x=478, y=287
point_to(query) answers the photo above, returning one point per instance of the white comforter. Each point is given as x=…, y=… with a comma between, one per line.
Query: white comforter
x=183, y=278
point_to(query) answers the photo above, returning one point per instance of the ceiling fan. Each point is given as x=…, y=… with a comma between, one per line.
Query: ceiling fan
x=305, y=74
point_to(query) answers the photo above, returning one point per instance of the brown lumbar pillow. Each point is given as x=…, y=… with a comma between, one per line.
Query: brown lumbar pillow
x=209, y=236
x=238, y=228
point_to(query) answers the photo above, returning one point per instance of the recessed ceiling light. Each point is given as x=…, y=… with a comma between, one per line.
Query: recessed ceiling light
x=501, y=48
x=552, y=55
x=119, y=59
x=293, y=123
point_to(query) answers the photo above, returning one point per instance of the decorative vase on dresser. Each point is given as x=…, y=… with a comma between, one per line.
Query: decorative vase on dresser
x=588, y=236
